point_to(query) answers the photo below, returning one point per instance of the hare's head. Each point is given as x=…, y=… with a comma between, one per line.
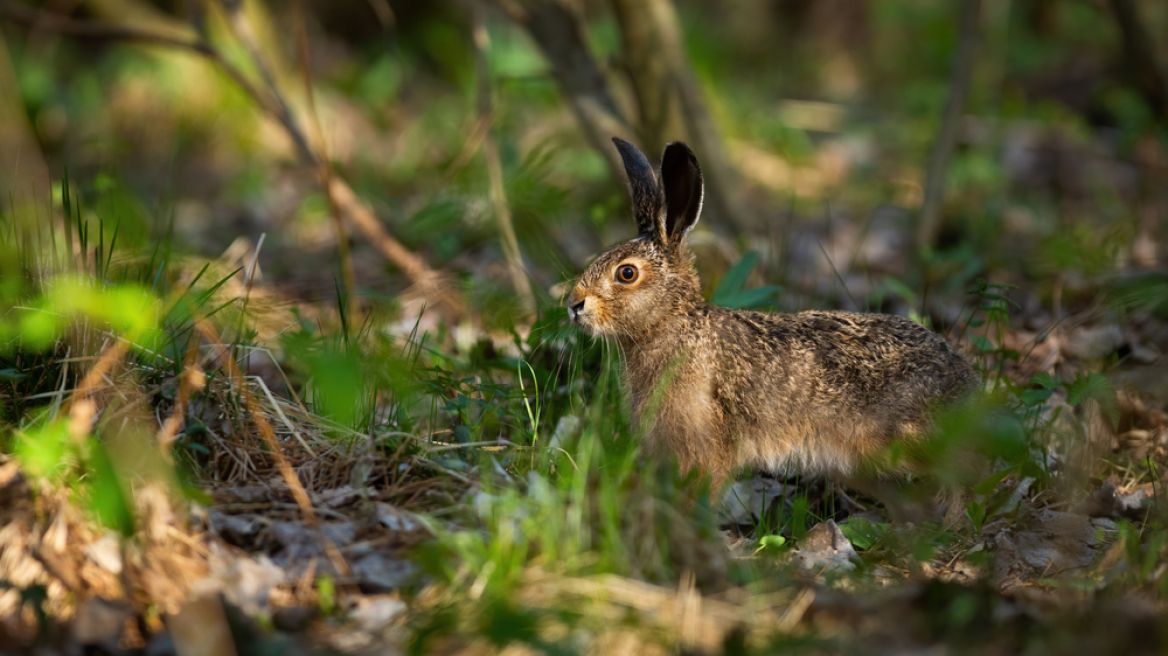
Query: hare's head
x=635, y=285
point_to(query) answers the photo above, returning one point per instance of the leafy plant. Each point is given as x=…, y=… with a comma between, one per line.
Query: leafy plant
x=732, y=292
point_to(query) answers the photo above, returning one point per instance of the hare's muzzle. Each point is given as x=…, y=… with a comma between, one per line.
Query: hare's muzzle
x=575, y=306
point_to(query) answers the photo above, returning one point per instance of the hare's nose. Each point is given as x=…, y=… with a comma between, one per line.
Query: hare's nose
x=574, y=310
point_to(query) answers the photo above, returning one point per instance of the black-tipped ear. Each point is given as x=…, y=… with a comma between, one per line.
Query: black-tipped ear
x=681, y=178
x=643, y=189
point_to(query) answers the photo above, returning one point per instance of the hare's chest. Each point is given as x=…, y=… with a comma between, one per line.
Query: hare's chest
x=676, y=402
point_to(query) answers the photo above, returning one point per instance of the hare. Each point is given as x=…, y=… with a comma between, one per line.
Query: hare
x=825, y=393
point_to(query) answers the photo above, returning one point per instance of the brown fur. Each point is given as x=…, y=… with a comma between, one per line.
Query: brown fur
x=719, y=389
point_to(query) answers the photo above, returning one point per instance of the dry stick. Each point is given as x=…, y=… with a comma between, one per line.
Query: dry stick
x=384, y=13
x=105, y=362
x=326, y=168
x=498, y=191
x=431, y=284
x=191, y=378
x=969, y=27
x=269, y=435
x=241, y=28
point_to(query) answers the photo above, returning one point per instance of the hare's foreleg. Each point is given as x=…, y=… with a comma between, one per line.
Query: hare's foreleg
x=700, y=445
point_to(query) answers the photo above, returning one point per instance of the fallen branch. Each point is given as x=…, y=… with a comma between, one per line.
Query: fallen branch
x=325, y=170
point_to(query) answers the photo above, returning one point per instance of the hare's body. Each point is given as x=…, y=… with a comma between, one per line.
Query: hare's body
x=827, y=393
x=719, y=389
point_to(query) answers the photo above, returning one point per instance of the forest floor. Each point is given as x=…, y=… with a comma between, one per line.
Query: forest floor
x=391, y=541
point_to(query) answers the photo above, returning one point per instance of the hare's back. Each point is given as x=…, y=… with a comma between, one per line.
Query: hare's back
x=876, y=359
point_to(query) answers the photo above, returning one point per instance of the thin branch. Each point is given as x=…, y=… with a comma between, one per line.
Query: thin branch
x=431, y=284
x=105, y=31
x=969, y=36
x=256, y=412
x=558, y=30
x=325, y=169
x=28, y=17
x=498, y=191
x=241, y=28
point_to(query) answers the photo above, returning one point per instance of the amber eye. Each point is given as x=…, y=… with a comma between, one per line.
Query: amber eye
x=626, y=273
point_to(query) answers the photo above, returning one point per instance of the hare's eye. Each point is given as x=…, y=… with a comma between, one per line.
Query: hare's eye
x=626, y=273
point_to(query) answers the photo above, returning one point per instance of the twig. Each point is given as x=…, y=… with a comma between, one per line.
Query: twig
x=290, y=478
x=428, y=282
x=241, y=28
x=498, y=191
x=325, y=170
x=514, y=10
x=558, y=29
x=109, y=356
x=969, y=35
x=280, y=413
x=28, y=17
x=191, y=378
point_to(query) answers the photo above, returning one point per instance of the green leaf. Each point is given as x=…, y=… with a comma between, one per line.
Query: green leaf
x=982, y=344
x=1033, y=397
x=799, y=517
x=991, y=482
x=42, y=451
x=752, y=297
x=862, y=533
x=771, y=543
x=339, y=385
x=734, y=280
x=326, y=594
x=504, y=623
x=1098, y=387
x=108, y=499
x=1045, y=380
x=730, y=292
x=902, y=290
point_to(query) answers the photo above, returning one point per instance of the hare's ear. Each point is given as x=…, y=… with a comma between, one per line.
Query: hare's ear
x=681, y=179
x=644, y=190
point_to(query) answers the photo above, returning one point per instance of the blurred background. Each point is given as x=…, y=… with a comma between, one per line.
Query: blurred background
x=852, y=144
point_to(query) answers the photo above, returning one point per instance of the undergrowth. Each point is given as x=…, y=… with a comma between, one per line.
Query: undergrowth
x=102, y=344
